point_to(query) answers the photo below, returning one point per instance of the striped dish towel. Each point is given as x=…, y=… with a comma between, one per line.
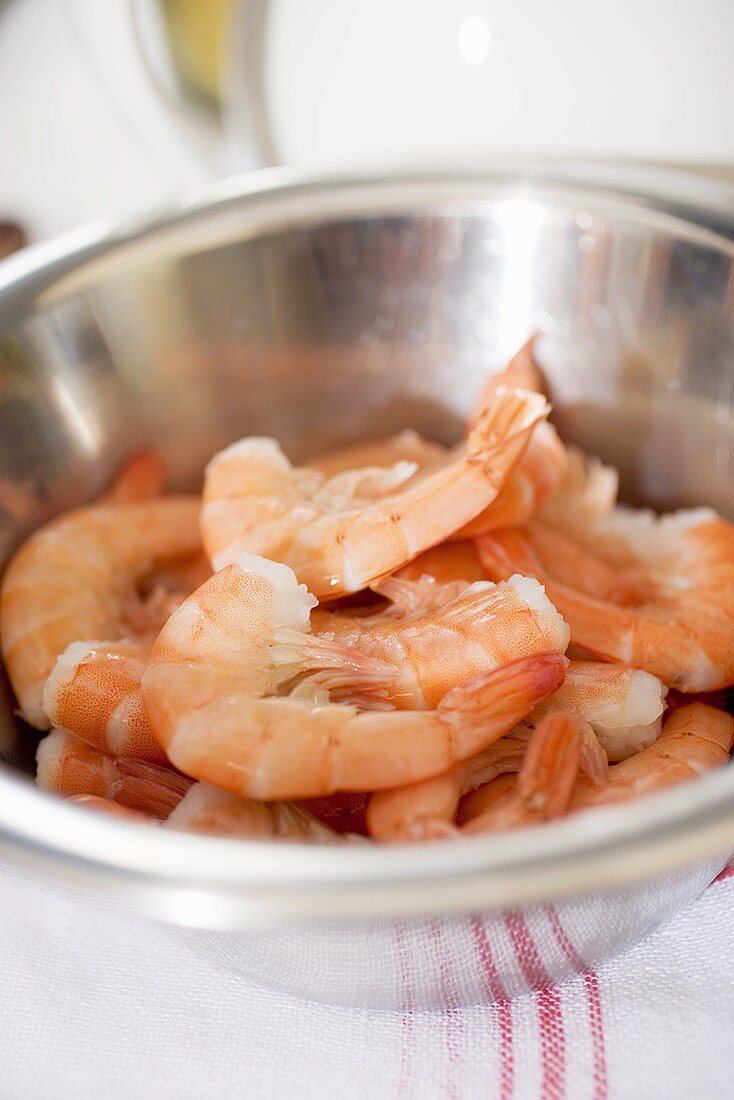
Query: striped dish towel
x=99, y=1003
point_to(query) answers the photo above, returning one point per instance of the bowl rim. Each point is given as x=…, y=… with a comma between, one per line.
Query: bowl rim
x=200, y=880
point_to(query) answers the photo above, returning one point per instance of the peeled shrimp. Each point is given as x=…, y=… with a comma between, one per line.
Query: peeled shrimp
x=445, y=563
x=69, y=767
x=210, y=687
x=624, y=706
x=621, y=708
x=540, y=551
x=695, y=739
x=426, y=811
x=483, y=627
x=406, y=446
x=71, y=582
x=588, y=493
x=340, y=533
x=207, y=809
x=485, y=797
x=142, y=477
x=537, y=479
x=547, y=777
x=94, y=692
x=540, y=472
x=682, y=634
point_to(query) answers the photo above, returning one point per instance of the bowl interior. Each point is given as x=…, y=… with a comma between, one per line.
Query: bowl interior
x=324, y=314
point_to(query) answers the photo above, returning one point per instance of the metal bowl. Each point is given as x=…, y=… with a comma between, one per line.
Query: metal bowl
x=322, y=311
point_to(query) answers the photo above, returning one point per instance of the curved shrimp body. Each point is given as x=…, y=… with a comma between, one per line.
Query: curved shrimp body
x=426, y=811
x=207, y=809
x=340, y=533
x=587, y=494
x=71, y=580
x=695, y=739
x=446, y=563
x=141, y=477
x=546, y=781
x=406, y=446
x=94, y=692
x=210, y=687
x=540, y=472
x=622, y=709
x=483, y=628
x=543, y=552
x=681, y=635
x=70, y=767
x=536, y=480
x=624, y=706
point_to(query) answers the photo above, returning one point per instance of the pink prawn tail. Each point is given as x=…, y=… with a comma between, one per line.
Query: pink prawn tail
x=551, y=765
x=141, y=477
x=485, y=708
x=504, y=553
x=502, y=431
x=521, y=372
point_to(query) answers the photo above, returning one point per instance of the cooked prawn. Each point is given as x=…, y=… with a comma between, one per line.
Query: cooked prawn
x=406, y=446
x=447, y=562
x=485, y=797
x=69, y=767
x=624, y=706
x=695, y=739
x=340, y=533
x=207, y=809
x=683, y=633
x=210, y=685
x=71, y=582
x=483, y=627
x=141, y=477
x=546, y=781
x=426, y=810
x=543, y=552
x=94, y=692
x=587, y=494
x=622, y=709
x=541, y=471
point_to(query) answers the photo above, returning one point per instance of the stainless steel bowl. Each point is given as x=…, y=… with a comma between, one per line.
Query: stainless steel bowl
x=321, y=311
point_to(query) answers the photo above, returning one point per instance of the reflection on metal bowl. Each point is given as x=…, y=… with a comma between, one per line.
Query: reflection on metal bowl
x=326, y=311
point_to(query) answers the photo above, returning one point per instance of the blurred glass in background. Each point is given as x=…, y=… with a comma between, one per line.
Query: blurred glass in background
x=111, y=107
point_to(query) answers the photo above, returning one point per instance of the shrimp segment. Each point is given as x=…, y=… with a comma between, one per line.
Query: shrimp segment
x=406, y=446
x=483, y=628
x=141, y=477
x=624, y=706
x=207, y=809
x=72, y=579
x=541, y=471
x=537, y=479
x=339, y=534
x=94, y=692
x=209, y=692
x=622, y=709
x=683, y=634
x=695, y=739
x=426, y=811
x=546, y=781
x=70, y=767
x=446, y=563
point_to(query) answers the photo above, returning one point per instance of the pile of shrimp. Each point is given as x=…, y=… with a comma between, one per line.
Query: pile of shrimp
x=398, y=642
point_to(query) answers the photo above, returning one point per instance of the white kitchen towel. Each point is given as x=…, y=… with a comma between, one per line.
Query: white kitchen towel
x=101, y=1004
